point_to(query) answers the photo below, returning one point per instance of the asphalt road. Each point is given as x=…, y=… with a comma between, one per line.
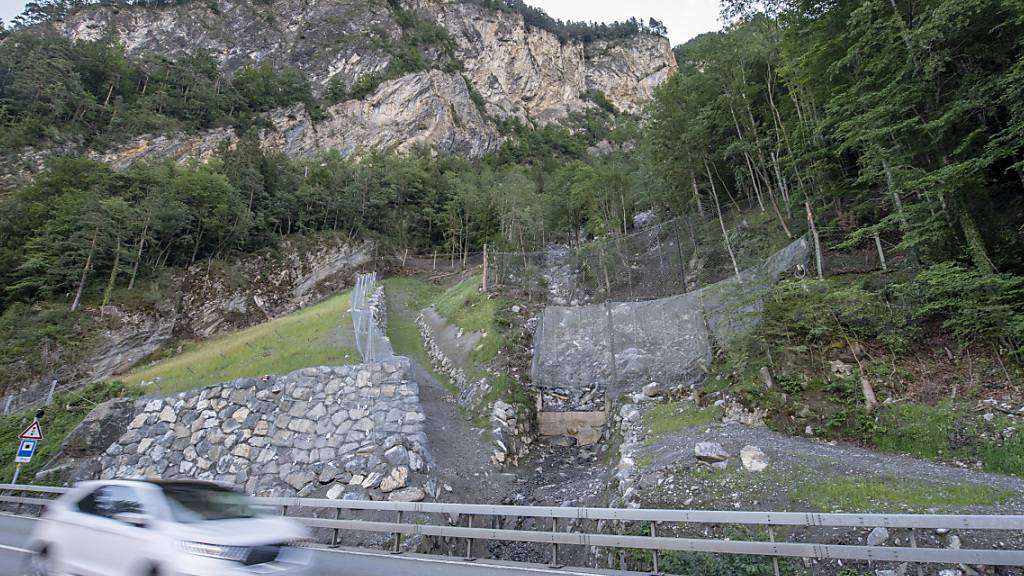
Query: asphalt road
x=15, y=530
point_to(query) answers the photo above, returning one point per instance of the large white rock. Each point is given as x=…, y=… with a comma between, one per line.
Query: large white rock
x=754, y=459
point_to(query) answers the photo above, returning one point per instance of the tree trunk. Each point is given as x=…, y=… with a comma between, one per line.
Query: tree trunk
x=696, y=194
x=721, y=221
x=113, y=274
x=85, y=270
x=138, y=253
x=881, y=253
x=890, y=181
x=975, y=242
x=817, y=241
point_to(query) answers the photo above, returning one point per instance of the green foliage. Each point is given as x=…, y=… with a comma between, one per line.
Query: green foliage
x=36, y=343
x=890, y=117
x=467, y=307
x=670, y=417
x=67, y=411
x=706, y=563
x=57, y=90
x=807, y=313
x=601, y=99
x=896, y=494
x=264, y=87
x=974, y=305
x=950, y=431
x=578, y=31
x=406, y=297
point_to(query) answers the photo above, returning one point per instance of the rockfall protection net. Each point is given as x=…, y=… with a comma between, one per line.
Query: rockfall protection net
x=623, y=345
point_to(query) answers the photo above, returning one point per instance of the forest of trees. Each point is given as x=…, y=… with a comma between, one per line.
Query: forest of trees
x=581, y=31
x=891, y=120
x=54, y=90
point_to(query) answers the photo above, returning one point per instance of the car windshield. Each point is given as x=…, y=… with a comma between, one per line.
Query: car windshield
x=197, y=503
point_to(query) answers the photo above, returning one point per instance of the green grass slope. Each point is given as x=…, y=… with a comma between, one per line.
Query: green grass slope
x=316, y=336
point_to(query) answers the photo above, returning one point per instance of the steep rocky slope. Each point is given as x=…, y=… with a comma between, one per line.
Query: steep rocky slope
x=520, y=71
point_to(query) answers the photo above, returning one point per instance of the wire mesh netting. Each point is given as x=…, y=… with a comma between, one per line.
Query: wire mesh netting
x=624, y=345
x=368, y=320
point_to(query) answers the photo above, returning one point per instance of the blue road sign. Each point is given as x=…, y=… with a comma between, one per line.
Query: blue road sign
x=25, y=451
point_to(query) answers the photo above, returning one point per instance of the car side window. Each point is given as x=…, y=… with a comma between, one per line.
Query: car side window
x=113, y=500
x=87, y=505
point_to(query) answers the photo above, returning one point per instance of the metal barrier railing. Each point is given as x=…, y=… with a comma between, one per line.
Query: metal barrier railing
x=555, y=537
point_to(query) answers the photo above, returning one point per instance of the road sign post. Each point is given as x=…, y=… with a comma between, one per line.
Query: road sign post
x=28, y=439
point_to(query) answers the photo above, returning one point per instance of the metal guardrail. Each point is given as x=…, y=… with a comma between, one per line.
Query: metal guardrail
x=571, y=537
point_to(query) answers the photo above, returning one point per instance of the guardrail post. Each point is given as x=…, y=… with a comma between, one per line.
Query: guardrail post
x=554, y=547
x=334, y=538
x=913, y=544
x=775, y=559
x=398, y=537
x=469, y=541
x=284, y=510
x=654, y=534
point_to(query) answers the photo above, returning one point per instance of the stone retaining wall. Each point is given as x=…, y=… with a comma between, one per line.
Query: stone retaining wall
x=347, y=432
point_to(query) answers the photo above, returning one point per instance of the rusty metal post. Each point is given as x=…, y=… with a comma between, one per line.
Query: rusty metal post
x=334, y=538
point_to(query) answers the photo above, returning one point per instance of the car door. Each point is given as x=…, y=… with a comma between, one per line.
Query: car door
x=73, y=534
x=111, y=547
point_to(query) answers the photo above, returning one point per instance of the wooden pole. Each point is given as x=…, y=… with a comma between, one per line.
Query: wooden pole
x=817, y=240
x=485, y=269
x=881, y=253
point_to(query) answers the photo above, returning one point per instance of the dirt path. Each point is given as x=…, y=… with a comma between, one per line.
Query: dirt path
x=462, y=458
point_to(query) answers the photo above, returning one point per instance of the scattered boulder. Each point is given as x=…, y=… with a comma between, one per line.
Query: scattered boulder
x=100, y=428
x=754, y=459
x=563, y=441
x=840, y=368
x=710, y=452
x=878, y=537
x=414, y=494
x=588, y=436
x=654, y=390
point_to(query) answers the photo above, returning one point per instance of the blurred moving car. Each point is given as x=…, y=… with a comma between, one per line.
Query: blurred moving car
x=164, y=528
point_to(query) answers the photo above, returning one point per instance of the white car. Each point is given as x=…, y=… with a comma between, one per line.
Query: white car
x=171, y=528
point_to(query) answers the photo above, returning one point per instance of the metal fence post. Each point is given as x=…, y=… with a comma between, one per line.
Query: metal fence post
x=913, y=544
x=398, y=537
x=654, y=534
x=554, y=547
x=775, y=559
x=334, y=538
x=469, y=541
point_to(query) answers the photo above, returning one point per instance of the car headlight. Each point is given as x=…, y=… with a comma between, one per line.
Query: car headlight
x=302, y=543
x=232, y=553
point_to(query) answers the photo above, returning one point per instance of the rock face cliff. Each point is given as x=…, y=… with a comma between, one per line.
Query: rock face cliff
x=520, y=71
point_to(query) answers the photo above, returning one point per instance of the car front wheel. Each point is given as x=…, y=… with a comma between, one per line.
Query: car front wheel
x=40, y=564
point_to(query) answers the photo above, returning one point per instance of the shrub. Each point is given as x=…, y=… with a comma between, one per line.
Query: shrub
x=974, y=305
